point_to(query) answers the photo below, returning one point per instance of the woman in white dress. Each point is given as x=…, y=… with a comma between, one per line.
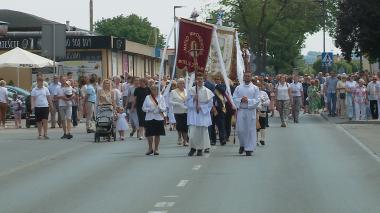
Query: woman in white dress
x=121, y=123
x=154, y=106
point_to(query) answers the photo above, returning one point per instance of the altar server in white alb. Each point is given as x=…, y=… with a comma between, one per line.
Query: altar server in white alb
x=199, y=104
x=246, y=99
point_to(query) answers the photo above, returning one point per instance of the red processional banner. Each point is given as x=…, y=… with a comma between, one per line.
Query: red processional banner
x=193, y=45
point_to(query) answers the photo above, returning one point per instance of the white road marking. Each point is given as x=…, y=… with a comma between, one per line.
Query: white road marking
x=357, y=141
x=182, y=183
x=164, y=204
x=171, y=196
x=158, y=212
x=197, y=167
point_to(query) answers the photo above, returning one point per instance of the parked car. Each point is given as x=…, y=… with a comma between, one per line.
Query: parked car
x=19, y=91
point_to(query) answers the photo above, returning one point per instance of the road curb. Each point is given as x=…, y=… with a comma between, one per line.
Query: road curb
x=374, y=122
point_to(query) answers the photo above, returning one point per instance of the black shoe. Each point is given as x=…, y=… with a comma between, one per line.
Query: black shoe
x=262, y=143
x=69, y=136
x=213, y=144
x=64, y=136
x=149, y=152
x=223, y=143
x=192, y=151
x=248, y=153
x=199, y=152
x=90, y=131
x=156, y=153
x=207, y=150
x=241, y=150
x=132, y=133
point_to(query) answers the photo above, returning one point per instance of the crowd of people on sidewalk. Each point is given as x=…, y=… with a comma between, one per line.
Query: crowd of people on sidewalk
x=203, y=112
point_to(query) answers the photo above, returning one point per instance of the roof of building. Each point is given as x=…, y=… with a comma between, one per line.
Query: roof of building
x=19, y=21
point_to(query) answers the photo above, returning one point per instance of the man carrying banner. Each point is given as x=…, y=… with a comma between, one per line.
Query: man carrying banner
x=199, y=104
x=246, y=99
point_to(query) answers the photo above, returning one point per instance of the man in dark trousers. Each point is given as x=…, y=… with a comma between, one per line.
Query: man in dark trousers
x=218, y=113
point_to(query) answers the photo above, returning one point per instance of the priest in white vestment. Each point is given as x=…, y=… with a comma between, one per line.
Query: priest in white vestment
x=246, y=99
x=199, y=104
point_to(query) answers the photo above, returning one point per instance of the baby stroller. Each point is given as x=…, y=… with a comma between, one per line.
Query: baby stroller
x=105, y=123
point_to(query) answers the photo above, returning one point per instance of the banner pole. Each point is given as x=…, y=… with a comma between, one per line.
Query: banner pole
x=163, y=58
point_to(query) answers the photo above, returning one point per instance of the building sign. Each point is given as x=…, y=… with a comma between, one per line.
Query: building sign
x=88, y=42
x=31, y=43
x=82, y=56
x=118, y=44
x=72, y=42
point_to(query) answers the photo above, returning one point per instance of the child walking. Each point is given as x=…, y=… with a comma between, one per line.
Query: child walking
x=121, y=123
x=17, y=110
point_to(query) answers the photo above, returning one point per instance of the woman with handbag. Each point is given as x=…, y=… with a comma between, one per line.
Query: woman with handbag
x=154, y=106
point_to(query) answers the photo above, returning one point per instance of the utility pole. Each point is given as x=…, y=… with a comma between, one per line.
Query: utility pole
x=91, y=16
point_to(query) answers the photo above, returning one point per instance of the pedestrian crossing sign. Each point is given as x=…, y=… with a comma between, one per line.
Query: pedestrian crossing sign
x=327, y=59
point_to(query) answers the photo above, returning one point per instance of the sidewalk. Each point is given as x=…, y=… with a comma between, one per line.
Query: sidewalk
x=338, y=120
x=367, y=132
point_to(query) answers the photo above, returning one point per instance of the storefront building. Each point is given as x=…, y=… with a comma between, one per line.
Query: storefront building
x=86, y=53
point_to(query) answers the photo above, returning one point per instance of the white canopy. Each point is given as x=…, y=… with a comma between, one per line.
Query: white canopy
x=20, y=58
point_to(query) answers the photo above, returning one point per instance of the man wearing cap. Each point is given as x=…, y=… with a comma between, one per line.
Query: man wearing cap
x=62, y=94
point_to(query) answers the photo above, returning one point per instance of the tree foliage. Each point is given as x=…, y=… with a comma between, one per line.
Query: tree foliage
x=275, y=29
x=358, y=29
x=133, y=28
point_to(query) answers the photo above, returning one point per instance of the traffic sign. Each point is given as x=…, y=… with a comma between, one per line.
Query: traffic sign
x=327, y=59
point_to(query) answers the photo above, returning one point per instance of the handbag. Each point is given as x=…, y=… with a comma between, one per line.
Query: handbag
x=342, y=95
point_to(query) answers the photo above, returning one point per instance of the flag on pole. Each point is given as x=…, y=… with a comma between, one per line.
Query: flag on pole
x=193, y=46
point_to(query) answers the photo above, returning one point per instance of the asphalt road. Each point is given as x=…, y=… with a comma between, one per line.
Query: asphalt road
x=312, y=167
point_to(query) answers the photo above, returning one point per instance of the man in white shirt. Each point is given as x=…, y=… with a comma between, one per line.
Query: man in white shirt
x=297, y=98
x=54, y=109
x=65, y=108
x=199, y=104
x=247, y=99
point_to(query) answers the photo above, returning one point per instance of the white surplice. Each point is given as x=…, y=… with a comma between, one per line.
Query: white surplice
x=199, y=121
x=246, y=115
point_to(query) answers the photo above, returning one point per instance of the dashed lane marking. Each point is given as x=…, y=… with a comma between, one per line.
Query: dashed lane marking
x=171, y=196
x=182, y=183
x=197, y=167
x=164, y=204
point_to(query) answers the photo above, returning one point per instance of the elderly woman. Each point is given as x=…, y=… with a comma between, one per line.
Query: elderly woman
x=3, y=103
x=360, y=100
x=40, y=103
x=350, y=87
x=177, y=100
x=106, y=96
x=283, y=95
x=117, y=88
x=154, y=106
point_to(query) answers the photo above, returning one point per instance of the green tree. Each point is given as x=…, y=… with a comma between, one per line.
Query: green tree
x=133, y=28
x=274, y=29
x=358, y=29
